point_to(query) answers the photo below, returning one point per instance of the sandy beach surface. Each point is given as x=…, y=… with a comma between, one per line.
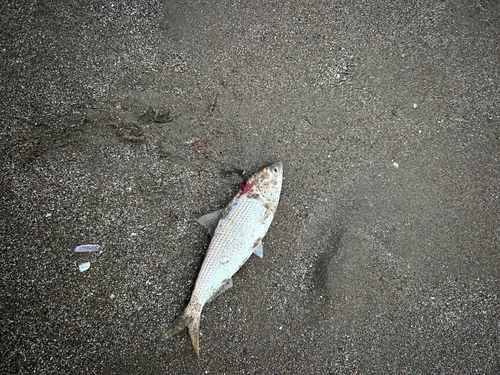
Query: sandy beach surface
x=124, y=121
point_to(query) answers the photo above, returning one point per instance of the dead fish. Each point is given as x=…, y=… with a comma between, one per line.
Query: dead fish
x=237, y=233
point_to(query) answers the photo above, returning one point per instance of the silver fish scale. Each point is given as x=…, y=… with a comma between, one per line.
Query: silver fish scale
x=243, y=223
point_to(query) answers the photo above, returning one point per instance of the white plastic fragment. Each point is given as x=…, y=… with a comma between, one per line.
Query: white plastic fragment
x=86, y=248
x=84, y=266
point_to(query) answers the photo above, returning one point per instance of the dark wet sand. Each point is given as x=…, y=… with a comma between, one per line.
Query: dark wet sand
x=384, y=256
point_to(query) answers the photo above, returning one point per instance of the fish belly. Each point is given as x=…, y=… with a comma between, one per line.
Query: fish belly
x=239, y=231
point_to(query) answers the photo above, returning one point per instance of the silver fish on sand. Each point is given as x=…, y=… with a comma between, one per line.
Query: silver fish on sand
x=237, y=233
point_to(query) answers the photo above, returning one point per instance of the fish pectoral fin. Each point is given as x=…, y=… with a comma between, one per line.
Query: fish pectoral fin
x=259, y=250
x=226, y=284
x=210, y=220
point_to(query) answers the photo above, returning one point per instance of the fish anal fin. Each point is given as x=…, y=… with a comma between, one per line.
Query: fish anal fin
x=210, y=220
x=226, y=284
x=259, y=250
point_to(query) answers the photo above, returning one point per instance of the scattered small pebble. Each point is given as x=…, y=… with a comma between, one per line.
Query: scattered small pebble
x=86, y=248
x=84, y=266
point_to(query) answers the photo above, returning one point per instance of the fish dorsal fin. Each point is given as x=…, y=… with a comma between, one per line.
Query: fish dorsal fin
x=259, y=250
x=210, y=221
x=226, y=284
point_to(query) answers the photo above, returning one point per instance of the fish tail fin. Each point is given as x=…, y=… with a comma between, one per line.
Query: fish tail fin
x=190, y=319
x=194, y=332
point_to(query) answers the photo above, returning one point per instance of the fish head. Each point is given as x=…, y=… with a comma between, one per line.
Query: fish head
x=268, y=182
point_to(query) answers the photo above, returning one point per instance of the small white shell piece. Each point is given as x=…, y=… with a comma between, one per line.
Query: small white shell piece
x=86, y=248
x=84, y=266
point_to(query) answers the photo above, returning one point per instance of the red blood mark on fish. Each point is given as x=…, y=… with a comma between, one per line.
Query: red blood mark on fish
x=246, y=188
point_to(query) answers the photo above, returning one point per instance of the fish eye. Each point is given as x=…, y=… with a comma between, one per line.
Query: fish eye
x=274, y=169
